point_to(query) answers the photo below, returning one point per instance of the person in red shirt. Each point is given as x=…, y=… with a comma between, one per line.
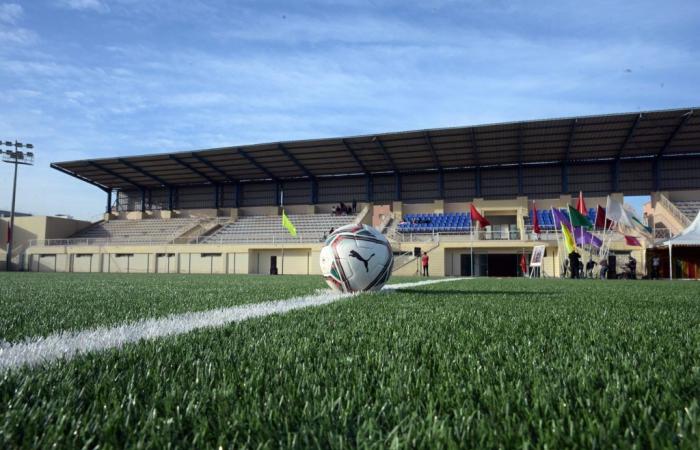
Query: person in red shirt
x=424, y=262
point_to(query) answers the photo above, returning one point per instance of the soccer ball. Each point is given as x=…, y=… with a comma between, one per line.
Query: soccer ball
x=356, y=258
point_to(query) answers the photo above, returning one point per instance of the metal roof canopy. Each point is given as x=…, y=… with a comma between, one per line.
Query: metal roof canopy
x=617, y=137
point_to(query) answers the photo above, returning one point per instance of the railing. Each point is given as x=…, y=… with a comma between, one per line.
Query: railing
x=673, y=209
x=200, y=240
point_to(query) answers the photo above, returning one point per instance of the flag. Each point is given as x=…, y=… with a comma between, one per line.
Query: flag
x=600, y=222
x=568, y=239
x=535, y=221
x=478, y=217
x=581, y=204
x=523, y=264
x=616, y=212
x=639, y=222
x=288, y=224
x=633, y=241
x=560, y=218
x=578, y=219
x=583, y=237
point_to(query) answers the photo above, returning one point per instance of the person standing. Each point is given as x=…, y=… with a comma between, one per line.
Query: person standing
x=574, y=258
x=590, y=265
x=354, y=206
x=632, y=264
x=424, y=262
x=603, y=268
x=655, y=266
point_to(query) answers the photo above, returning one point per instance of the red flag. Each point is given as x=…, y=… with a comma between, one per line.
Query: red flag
x=600, y=218
x=535, y=220
x=581, y=204
x=478, y=217
x=633, y=241
x=523, y=264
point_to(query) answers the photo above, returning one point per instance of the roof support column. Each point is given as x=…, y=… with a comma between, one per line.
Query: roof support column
x=615, y=175
x=565, y=177
x=109, y=202
x=441, y=184
x=278, y=193
x=314, y=190
x=565, y=160
x=237, y=198
x=520, y=160
x=143, y=200
x=477, y=182
x=397, y=180
x=370, y=188
x=171, y=194
x=217, y=200
x=656, y=168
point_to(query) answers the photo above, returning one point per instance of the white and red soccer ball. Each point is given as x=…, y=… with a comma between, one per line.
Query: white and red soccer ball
x=356, y=258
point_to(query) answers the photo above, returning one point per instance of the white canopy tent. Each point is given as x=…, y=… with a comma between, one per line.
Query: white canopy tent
x=690, y=237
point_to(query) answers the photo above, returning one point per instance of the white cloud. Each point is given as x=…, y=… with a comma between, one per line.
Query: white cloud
x=10, y=12
x=85, y=5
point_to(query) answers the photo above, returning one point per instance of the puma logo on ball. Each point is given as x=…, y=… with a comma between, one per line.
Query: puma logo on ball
x=354, y=254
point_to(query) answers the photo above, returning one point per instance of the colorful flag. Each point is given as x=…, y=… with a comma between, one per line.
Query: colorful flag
x=581, y=204
x=633, y=241
x=583, y=237
x=560, y=218
x=639, y=222
x=578, y=219
x=535, y=221
x=600, y=222
x=523, y=264
x=288, y=224
x=478, y=217
x=568, y=239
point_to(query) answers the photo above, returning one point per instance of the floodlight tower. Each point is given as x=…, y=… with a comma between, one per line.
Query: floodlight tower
x=15, y=157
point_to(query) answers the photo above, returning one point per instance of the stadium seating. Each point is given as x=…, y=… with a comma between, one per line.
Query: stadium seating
x=310, y=228
x=136, y=231
x=429, y=223
x=688, y=208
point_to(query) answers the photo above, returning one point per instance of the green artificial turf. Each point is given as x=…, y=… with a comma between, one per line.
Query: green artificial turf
x=38, y=304
x=472, y=364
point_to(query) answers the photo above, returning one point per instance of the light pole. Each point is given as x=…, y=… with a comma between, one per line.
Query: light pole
x=15, y=157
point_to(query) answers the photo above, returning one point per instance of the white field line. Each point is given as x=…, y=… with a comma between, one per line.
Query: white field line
x=38, y=350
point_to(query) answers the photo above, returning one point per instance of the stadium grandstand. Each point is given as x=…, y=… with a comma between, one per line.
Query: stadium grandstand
x=218, y=210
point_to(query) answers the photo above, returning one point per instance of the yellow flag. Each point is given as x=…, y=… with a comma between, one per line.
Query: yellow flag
x=568, y=239
x=288, y=224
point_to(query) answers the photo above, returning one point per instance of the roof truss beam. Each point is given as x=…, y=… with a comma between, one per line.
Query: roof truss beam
x=192, y=169
x=431, y=148
x=628, y=138
x=209, y=164
x=143, y=172
x=254, y=162
x=354, y=156
x=115, y=174
x=80, y=177
x=675, y=132
x=296, y=161
x=386, y=154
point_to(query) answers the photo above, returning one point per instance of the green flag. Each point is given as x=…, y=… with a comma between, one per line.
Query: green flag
x=578, y=219
x=288, y=224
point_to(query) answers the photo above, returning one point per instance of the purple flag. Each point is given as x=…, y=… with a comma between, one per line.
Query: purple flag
x=585, y=237
x=559, y=218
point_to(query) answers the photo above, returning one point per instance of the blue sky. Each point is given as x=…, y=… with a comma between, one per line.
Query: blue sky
x=95, y=78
